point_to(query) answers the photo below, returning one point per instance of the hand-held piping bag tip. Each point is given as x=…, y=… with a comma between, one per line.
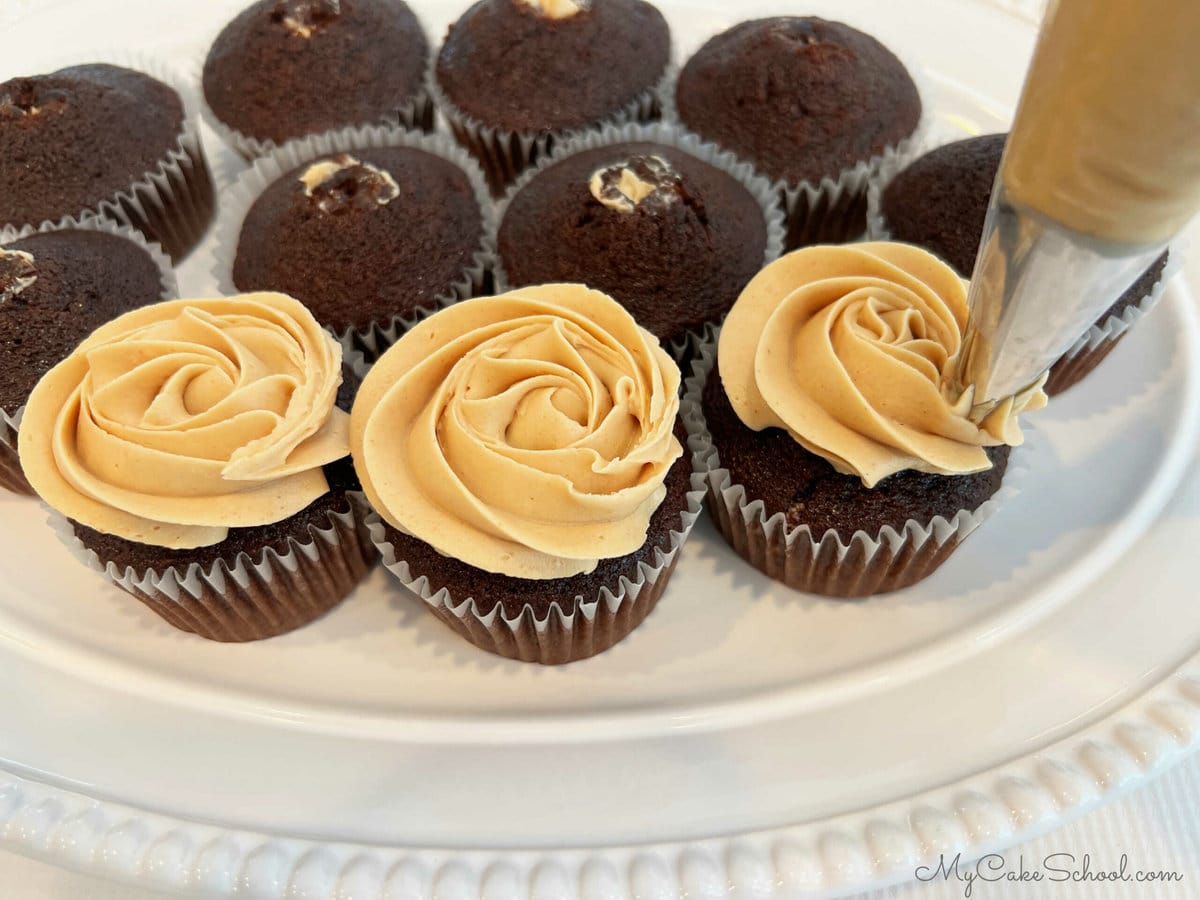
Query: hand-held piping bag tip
x=1100, y=172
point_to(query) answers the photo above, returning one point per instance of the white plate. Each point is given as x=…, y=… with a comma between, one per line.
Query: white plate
x=744, y=738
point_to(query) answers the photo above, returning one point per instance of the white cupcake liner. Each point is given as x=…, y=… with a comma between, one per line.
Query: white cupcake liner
x=659, y=133
x=565, y=631
x=255, y=597
x=505, y=154
x=248, y=186
x=172, y=204
x=831, y=210
x=1093, y=345
x=11, y=476
x=861, y=566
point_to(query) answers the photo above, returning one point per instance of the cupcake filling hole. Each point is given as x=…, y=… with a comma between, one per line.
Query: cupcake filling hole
x=17, y=272
x=304, y=17
x=344, y=182
x=557, y=9
x=25, y=99
x=647, y=182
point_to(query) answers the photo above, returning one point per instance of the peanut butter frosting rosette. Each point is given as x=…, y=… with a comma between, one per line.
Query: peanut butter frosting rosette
x=519, y=445
x=177, y=430
x=845, y=350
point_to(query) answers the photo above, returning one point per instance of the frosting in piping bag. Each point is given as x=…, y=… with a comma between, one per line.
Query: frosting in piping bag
x=527, y=434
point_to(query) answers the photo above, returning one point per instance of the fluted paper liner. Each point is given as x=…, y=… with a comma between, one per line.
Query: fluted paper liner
x=658, y=133
x=832, y=564
x=248, y=186
x=255, y=597
x=832, y=210
x=505, y=154
x=172, y=204
x=11, y=476
x=1096, y=343
x=566, y=631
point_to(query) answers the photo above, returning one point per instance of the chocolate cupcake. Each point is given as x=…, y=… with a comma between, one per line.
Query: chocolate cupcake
x=369, y=227
x=670, y=227
x=523, y=455
x=213, y=490
x=514, y=75
x=940, y=202
x=286, y=68
x=850, y=474
x=57, y=284
x=816, y=106
x=100, y=139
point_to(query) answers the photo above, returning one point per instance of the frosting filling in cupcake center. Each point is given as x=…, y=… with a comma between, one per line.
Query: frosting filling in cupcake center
x=345, y=182
x=648, y=182
x=305, y=17
x=847, y=348
x=556, y=9
x=17, y=272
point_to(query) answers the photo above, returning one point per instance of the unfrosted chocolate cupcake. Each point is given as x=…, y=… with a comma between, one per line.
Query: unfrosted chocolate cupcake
x=56, y=287
x=671, y=237
x=804, y=100
x=512, y=74
x=940, y=202
x=88, y=139
x=286, y=68
x=365, y=237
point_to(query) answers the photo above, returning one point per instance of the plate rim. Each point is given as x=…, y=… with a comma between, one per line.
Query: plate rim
x=870, y=848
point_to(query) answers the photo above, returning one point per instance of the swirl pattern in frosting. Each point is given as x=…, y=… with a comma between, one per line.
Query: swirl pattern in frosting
x=527, y=434
x=847, y=348
x=178, y=421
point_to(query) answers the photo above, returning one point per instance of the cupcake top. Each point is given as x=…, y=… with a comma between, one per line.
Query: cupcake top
x=55, y=289
x=848, y=348
x=362, y=236
x=670, y=237
x=285, y=68
x=528, y=434
x=552, y=65
x=801, y=98
x=178, y=421
x=78, y=136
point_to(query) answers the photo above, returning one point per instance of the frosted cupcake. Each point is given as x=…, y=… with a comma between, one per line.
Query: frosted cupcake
x=196, y=448
x=523, y=455
x=834, y=462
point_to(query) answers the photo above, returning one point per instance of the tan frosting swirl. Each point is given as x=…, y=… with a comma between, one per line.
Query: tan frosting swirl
x=527, y=434
x=847, y=348
x=177, y=421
